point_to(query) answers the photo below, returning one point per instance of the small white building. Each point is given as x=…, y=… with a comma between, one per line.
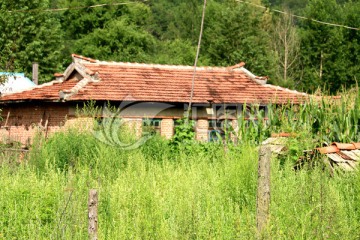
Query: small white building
x=14, y=82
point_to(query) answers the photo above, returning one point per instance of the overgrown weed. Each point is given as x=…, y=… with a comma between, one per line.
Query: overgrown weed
x=190, y=191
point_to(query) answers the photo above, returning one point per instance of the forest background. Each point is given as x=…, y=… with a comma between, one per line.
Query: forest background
x=294, y=52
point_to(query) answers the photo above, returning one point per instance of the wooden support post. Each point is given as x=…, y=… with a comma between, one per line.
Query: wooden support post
x=263, y=188
x=7, y=119
x=93, y=214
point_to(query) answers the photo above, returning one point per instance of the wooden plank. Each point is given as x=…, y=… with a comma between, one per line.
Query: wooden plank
x=7, y=119
x=336, y=158
x=351, y=164
x=343, y=155
x=351, y=155
x=345, y=166
x=356, y=152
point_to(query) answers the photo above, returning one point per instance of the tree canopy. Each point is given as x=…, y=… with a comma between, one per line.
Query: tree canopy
x=30, y=36
x=293, y=52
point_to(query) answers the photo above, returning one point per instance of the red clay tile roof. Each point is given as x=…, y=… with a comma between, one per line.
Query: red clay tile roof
x=47, y=91
x=158, y=83
x=337, y=147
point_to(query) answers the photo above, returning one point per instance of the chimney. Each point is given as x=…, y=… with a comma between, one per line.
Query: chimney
x=59, y=76
x=35, y=73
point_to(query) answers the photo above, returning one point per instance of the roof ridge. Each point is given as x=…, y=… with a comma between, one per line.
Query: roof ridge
x=257, y=79
x=285, y=89
x=66, y=94
x=161, y=66
x=85, y=60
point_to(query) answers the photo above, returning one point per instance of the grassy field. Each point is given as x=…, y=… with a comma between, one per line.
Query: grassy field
x=152, y=193
x=200, y=191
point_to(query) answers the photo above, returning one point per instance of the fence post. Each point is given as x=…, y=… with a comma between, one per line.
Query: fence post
x=93, y=214
x=263, y=188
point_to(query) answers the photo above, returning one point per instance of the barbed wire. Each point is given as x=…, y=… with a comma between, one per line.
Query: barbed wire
x=301, y=17
x=74, y=8
x=127, y=3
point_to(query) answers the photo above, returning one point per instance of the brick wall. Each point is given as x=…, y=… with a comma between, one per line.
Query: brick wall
x=21, y=122
x=80, y=123
x=167, y=128
x=134, y=125
x=202, y=126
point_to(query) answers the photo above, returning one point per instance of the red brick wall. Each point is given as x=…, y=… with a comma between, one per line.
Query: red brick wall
x=134, y=125
x=167, y=128
x=20, y=122
x=202, y=126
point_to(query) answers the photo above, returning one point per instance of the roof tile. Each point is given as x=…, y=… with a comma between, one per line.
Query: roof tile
x=344, y=146
x=163, y=83
x=344, y=155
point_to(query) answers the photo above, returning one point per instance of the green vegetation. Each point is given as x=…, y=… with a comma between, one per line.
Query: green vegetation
x=28, y=37
x=293, y=52
x=182, y=189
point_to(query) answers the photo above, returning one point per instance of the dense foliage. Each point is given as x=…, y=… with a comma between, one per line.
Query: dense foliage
x=28, y=37
x=295, y=53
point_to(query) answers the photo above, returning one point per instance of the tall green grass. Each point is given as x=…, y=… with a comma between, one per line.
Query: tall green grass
x=194, y=196
x=181, y=196
x=202, y=191
x=317, y=122
x=322, y=119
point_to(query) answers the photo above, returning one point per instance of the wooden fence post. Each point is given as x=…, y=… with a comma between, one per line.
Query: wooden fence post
x=93, y=214
x=263, y=188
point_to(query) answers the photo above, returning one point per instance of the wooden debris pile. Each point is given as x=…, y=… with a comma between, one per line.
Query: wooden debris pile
x=344, y=156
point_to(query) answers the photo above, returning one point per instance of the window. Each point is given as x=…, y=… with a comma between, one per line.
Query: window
x=225, y=111
x=217, y=129
x=152, y=125
x=215, y=135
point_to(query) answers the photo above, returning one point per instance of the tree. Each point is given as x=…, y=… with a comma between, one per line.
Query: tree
x=286, y=44
x=110, y=33
x=176, y=19
x=29, y=35
x=324, y=56
x=178, y=51
x=292, y=5
x=236, y=32
x=351, y=14
x=119, y=40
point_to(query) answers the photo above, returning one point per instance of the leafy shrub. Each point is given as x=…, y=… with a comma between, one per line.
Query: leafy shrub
x=66, y=150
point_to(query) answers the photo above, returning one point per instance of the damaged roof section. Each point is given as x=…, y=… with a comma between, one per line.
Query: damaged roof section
x=337, y=156
x=343, y=155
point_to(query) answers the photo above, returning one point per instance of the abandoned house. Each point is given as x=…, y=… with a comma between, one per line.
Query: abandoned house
x=147, y=94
